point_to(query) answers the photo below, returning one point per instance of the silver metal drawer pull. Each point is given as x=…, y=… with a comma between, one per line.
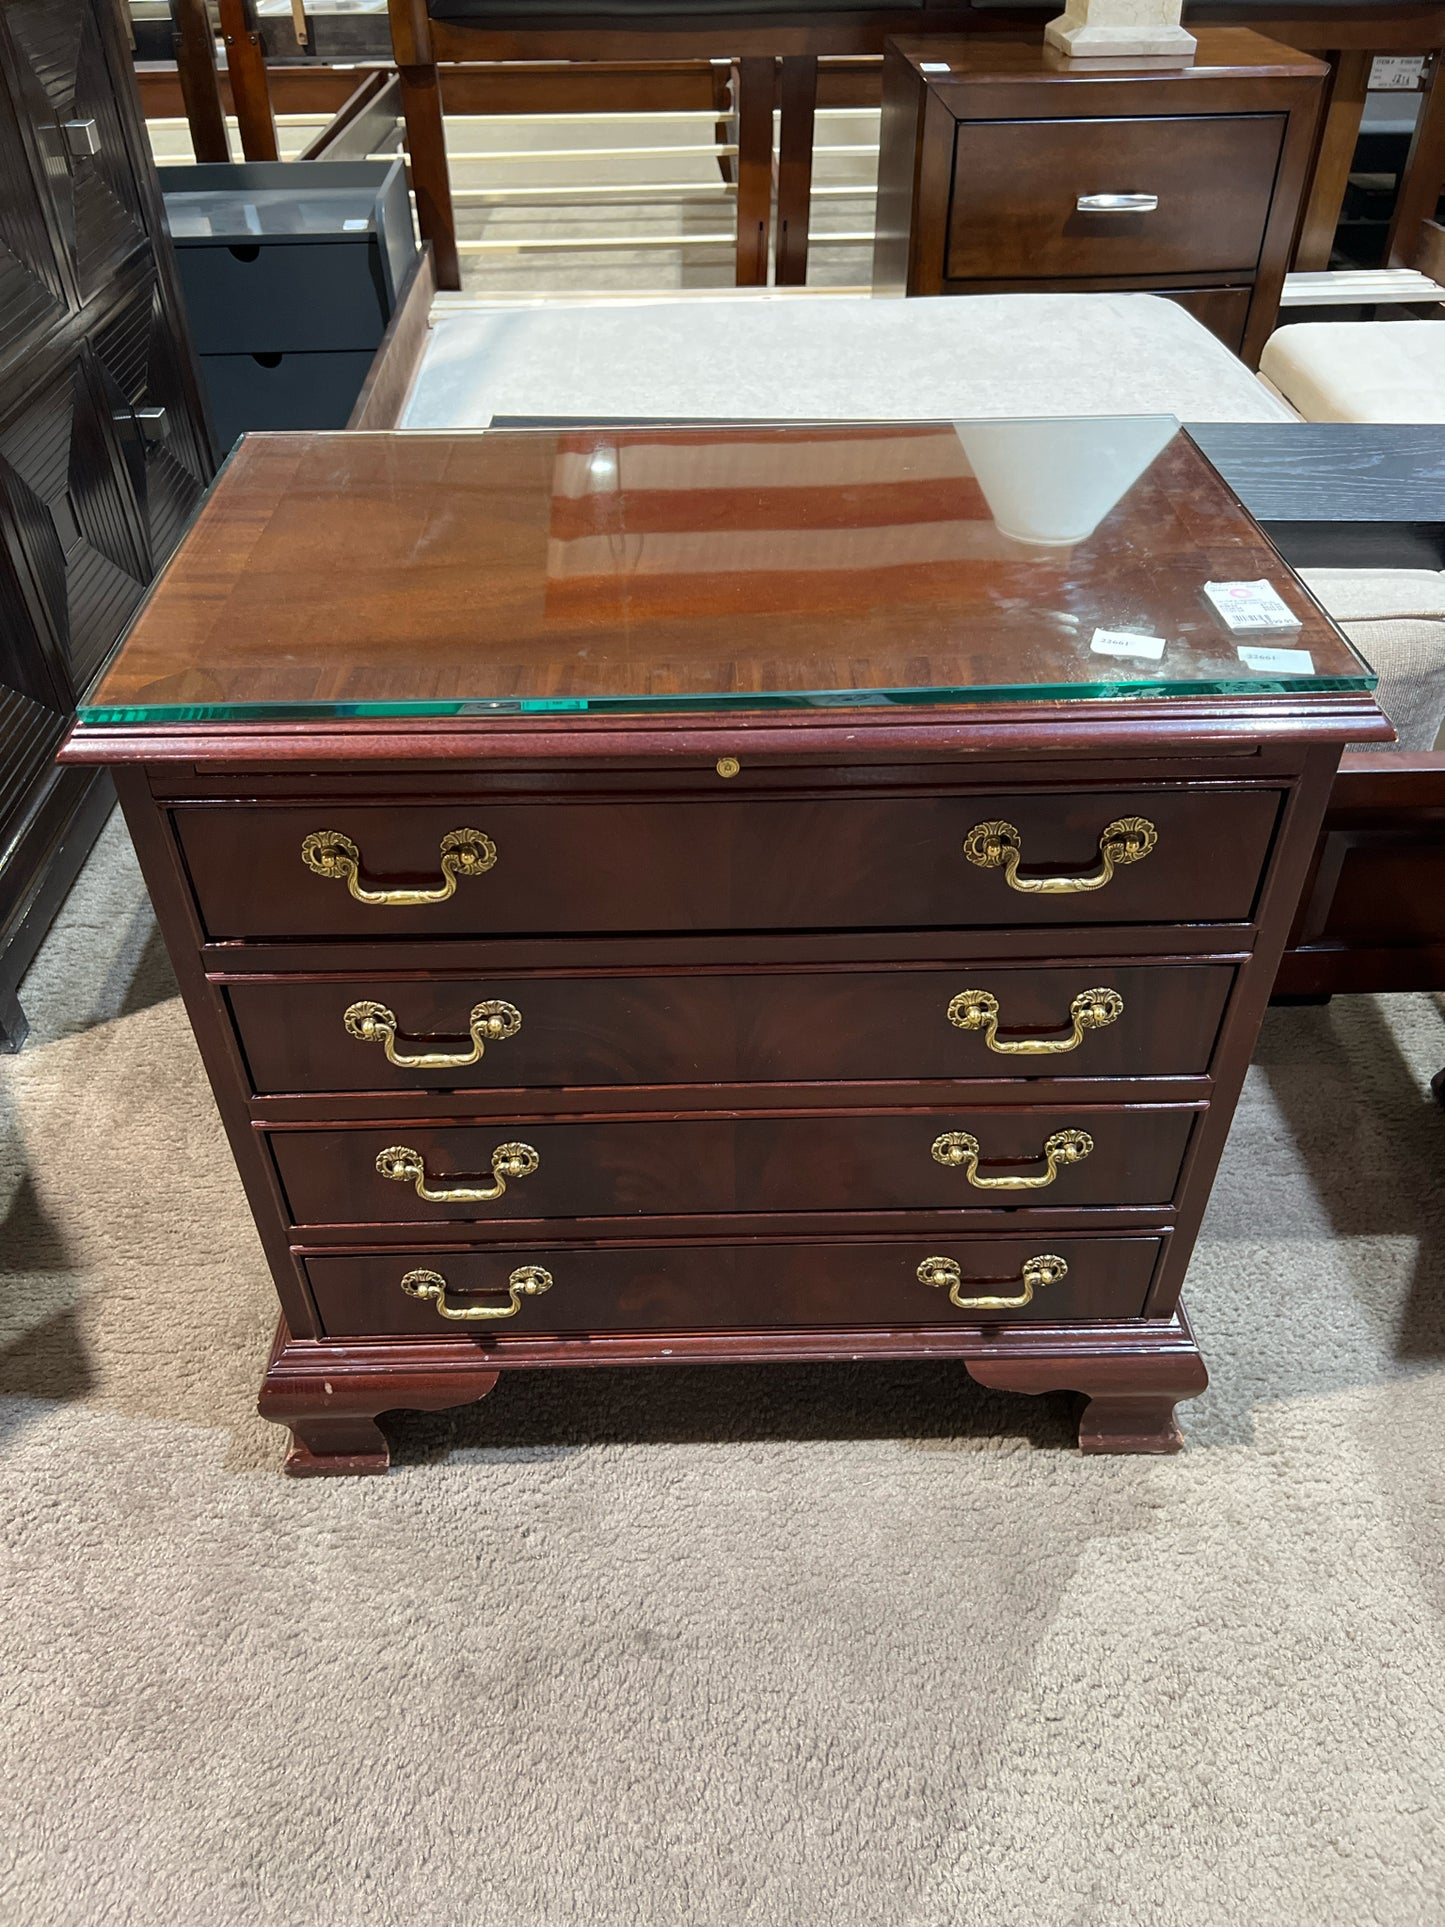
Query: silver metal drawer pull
x=1117, y=203
x=82, y=138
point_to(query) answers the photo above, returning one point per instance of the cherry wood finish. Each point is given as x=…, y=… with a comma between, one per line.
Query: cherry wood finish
x=687, y=1289
x=1372, y=916
x=653, y=564
x=666, y=1167
x=763, y=1193
x=1016, y=185
x=981, y=166
x=723, y=1027
x=707, y=862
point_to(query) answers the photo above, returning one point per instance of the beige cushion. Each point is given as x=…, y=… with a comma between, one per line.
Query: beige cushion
x=1396, y=619
x=1359, y=371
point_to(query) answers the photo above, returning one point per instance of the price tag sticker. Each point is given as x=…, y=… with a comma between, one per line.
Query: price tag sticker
x=1251, y=605
x=357, y=226
x=1121, y=642
x=1278, y=662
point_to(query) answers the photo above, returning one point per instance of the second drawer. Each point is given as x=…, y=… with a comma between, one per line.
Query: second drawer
x=506, y=1033
x=1051, y=1157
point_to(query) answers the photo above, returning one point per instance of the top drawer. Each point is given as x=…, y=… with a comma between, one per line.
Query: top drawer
x=480, y=868
x=1017, y=186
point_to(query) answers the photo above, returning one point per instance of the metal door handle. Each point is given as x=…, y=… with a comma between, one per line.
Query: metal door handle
x=82, y=138
x=1117, y=203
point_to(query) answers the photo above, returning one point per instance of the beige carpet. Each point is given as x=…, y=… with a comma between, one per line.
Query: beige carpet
x=727, y=1646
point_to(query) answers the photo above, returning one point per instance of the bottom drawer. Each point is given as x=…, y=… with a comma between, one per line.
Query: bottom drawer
x=692, y=1287
x=247, y=392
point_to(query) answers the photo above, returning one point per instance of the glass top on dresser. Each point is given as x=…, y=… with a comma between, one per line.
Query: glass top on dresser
x=540, y=571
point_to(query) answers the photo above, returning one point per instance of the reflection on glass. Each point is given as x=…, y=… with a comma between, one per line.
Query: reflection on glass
x=610, y=568
x=1051, y=483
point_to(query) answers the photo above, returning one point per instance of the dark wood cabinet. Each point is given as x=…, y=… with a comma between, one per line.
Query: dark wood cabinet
x=1005, y=166
x=874, y=1015
x=103, y=450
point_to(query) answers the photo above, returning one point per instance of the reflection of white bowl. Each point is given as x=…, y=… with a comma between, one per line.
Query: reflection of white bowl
x=1051, y=483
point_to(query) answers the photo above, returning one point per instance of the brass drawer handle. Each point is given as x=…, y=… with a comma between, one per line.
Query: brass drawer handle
x=1046, y=1269
x=978, y=1010
x=405, y=1166
x=957, y=1148
x=994, y=846
x=489, y=1023
x=464, y=853
x=527, y=1281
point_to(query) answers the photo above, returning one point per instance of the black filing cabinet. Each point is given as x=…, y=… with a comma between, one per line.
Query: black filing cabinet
x=291, y=270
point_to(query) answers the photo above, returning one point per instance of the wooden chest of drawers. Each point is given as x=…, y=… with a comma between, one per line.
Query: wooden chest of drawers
x=1007, y=167
x=810, y=1032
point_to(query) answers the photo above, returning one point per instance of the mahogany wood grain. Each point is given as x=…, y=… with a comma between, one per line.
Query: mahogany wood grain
x=1372, y=916
x=175, y=912
x=1016, y=185
x=331, y=1413
x=745, y=1287
x=644, y=566
x=623, y=860
x=1139, y=1369
x=725, y=1028
x=284, y=756
x=1131, y=1399
x=724, y=865
x=712, y=1165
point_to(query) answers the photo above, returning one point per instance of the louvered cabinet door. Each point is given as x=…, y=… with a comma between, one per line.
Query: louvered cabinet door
x=138, y=358
x=66, y=96
x=32, y=286
x=69, y=521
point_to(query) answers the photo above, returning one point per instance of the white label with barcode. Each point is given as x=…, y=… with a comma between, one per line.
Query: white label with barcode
x=1251, y=605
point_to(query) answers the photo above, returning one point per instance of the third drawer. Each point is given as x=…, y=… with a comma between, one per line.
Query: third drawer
x=1076, y=1155
x=1086, y=1019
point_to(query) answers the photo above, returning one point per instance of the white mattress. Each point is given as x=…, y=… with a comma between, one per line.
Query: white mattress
x=949, y=358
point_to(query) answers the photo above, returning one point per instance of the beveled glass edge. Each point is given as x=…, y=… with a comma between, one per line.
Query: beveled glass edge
x=117, y=716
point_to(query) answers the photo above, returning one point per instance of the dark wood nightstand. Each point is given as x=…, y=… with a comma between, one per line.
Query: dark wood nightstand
x=802, y=893
x=1006, y=168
